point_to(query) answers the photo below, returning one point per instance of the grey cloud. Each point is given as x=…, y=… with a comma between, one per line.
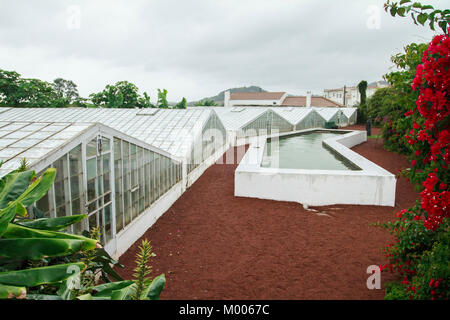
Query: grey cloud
x=198, y=48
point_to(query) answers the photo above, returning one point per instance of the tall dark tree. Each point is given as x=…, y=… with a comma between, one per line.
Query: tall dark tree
x=66, y=89
x=362, y=88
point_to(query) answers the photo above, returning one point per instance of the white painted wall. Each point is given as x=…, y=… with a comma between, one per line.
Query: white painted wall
x=370, y=186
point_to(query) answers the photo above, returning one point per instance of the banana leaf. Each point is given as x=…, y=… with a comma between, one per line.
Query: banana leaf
x=119, y=290
x=156, y=287
x=52, y=224
x=44, y=275
x=38, y=188
x=15, y=231
x=43, y=297
x=107, y=263
x=8, y=292
x=13, y=186
x=38, y=248
x=6, y=216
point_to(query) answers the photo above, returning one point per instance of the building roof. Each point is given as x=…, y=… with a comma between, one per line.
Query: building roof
x=328, y=113
x=256, y=95
x=234, y=118
x=172, y=130
x=348, y=112
x=33, y=140
x=291, y=114
x=316, y=101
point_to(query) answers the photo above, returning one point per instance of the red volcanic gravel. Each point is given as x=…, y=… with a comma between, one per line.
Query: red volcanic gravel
x=213, y=245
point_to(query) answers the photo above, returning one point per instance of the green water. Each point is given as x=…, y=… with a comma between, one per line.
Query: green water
x=303, y=151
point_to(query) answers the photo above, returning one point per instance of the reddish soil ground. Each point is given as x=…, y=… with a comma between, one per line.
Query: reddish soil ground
x=213, y=245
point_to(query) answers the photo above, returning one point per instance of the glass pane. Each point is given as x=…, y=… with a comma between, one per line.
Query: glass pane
x=76, y=209
x=108, y=223
x=91, y=167
x=117, y=149
x=75, y=187
x=75, y=160
x=91, y=189
x=105, y=144
x=107, y=198
x=106, y=160
x=92, y=221
x=91, y=148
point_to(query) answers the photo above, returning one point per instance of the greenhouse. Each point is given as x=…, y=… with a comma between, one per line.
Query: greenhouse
x=332, y=115
x=125, y=167
x=301, y=118
x=350, y=114
x=116, y=177
x=245, y=122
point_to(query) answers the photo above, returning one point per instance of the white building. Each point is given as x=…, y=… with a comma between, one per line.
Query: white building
x=352, y=96
x=276, y=99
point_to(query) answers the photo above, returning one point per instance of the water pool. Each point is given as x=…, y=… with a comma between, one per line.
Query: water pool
x=304, y=151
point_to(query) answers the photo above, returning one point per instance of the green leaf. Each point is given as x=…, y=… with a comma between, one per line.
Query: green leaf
x=14, y=186
x=15, y=231
x=43, y=297
x=6, y=216
x=8, y=292
x=401, y=12
x=86, y=296
x=404, y=1
x=53, y=224
x=120, y=288
x=103, y=258
x=38, y=248
x=421, y=18
x=414, y=18
x=156, y=287
x=37, y=276
x=427, y=7
x=393, y=11
x=38, y=188
x=443, y=25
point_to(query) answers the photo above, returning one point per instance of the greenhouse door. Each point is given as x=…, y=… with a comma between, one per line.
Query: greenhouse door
x=99, y=201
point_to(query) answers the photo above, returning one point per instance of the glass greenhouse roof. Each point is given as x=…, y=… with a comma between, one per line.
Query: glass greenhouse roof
x=326, y=113
x=168, y=129
x=233, y=120
x=292, y=114
x=348, y=112
x=33, y=140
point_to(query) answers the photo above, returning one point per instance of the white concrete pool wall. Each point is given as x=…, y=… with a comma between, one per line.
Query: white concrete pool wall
x=372, y=185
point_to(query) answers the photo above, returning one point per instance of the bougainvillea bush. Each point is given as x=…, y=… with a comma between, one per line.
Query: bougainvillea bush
x=421, y=251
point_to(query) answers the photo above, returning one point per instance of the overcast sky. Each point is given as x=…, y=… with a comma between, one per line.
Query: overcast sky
x=197, y=48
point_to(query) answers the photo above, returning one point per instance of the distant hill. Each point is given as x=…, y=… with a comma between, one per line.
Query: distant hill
x=220, y=97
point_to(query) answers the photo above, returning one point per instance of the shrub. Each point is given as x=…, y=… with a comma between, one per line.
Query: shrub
x=421, y=252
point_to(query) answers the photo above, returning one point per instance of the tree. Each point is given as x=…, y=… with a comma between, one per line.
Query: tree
x=66, y=89
x=162, y=99
x=362, y=88
x=181, y=104
x=206, y=103
x=362, y=108
x=122, y=94
x=20, y=92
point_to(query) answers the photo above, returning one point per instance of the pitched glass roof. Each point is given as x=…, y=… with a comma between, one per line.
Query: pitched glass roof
x=348, y=112
x=327, y=113
x=32, y=141
x=233, y=120
x=168, y=129
x=292, y=114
